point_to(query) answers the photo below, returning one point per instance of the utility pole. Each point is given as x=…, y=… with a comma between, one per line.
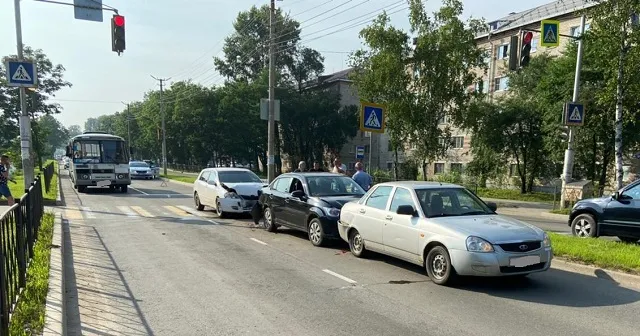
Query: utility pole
x=567, y=170
x=164, y=131
x=25, y=122
x=128, y=114
x=271, y=160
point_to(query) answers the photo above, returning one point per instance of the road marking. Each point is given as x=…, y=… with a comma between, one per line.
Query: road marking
x=339, y=276
x=213, y=222
x=259, y=241
x=177, y=211
x=142, y=211
x=138, y=190
x=186, y=209
x=127, y=211
x=87, y=211
x=73, y=214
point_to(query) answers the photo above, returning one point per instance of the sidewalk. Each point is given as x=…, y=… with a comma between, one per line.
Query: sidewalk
x=526, y=209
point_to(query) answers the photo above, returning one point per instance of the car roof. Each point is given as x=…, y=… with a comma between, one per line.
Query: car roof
x=312, y=174
x=420, y=184
x=226, y=169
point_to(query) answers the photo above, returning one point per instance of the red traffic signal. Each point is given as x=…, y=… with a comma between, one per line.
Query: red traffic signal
x=117, y=34
x=118, y=20
x=526, y=39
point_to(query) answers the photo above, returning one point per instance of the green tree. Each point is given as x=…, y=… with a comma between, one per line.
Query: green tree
x=74, y=130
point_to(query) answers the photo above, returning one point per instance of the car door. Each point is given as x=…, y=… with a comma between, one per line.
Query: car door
x=295, y=210
x=276, y=197
x=212, y=188
x=399, y=234
x=622, y=216
x=201, y=187
x=369, y=219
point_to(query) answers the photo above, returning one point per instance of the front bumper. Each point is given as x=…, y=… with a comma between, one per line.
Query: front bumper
x=236, y=205
x=94, y=183
x=134, y=174
x=498, y=263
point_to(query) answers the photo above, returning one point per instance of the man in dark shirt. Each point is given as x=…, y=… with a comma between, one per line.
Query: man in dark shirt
x=316, y=167
x=5, y=165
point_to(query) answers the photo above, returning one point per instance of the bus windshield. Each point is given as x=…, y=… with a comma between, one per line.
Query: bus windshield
x=99, y=151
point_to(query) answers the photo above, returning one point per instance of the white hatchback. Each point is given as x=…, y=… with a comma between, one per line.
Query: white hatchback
x=227, y=190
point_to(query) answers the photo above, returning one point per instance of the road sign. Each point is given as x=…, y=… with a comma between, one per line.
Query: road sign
x=550, y=32
x=21, y=73
x=89, y=10
x=359, y=152
x=372, y=118
x=574, y=114
x=264, y=109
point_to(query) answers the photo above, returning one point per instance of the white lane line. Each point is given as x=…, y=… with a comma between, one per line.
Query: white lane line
x=127, y=211
x=213, y=222
x=259, y=241
x=339, y=276
x=87, y=211
x=138, y=190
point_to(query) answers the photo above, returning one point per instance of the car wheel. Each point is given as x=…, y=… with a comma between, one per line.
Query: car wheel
x=438, y=265
x=82, y=189
x=221, y=213
x=316, y=234
x=630, y=240
x=269, y=221
x=584, y=226
x=356, y=244
x=124, y=188
x=196, y=199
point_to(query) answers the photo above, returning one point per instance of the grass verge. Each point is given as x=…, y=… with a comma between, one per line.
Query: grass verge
x=512, y=194
x=17, y=189
x=181, y=178
x=28, y=317
x=598, y=252
x=564, y=211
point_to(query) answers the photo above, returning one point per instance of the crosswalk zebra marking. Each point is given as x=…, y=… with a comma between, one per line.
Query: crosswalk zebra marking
x=87, y=211
x=142, y=212
x=127, y=211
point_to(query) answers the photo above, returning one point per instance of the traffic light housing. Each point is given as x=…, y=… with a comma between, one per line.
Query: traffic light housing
x=513, y=53
x=527, y=37
x=117, y=34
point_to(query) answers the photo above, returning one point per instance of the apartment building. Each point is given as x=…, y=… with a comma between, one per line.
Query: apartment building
x=495, y=40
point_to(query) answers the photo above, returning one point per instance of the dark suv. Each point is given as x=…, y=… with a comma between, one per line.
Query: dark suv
x=615, y=215
x=308, y=202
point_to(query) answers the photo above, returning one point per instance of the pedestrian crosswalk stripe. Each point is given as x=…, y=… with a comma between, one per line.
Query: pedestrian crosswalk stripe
x=73, y=214
x=87, y=211
x=127, y=211
x=141, y=211
x=186, y=209
x=177, y=211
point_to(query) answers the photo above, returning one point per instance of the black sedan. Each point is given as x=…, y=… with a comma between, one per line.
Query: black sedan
x=309, y=202
x=615, y=215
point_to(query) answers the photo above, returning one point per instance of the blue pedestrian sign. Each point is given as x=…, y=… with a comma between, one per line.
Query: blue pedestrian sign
x=372, y=118
x=550, y=32
x=21, y=73
x=359, y=152
x=573, y=114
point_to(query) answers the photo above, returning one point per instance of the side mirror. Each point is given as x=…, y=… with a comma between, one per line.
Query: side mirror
x=67, y=151
x=213, y=183
x=492, y=206
x=616, y=195
x=298, y=194
x=406, y=210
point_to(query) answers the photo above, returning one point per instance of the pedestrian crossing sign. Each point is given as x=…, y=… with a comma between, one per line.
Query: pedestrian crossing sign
x=372, y=118
x=21, y=73
x=574, y=114
x=550, y=33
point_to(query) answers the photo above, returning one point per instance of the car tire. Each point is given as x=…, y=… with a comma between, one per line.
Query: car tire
x=630, y=240
x=196, y=199
x=269, y=221
x=584, y=226
x=356, y=244
x=316, y=233
x=124, y=188
x=82, y=189
x=439, y=267
x=221, y=214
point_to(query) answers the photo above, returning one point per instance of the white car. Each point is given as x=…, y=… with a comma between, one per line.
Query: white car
x=444, y=228
x=227, y=190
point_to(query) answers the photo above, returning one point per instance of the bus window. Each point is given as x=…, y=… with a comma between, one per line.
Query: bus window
x=114, y=152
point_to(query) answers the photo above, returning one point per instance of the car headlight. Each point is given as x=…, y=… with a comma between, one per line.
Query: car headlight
x=546, y=241
x=230, y=195
x=332, y=212
x=477, y=244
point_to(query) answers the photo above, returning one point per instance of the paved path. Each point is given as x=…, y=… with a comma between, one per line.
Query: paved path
x=142, y=265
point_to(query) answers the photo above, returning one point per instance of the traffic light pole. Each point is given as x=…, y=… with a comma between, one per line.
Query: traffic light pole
x=25, y=122
x=567, y=170
x=271, y=162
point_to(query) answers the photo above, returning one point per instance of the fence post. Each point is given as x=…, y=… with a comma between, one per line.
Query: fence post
x=29, y=221
x=20, y=246
x=4, y=302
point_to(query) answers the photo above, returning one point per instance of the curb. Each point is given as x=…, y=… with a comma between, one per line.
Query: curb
x=596, y=272
x=55, y=309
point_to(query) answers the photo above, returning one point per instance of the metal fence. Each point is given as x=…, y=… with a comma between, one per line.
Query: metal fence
x=18, y=232
x=47, y=172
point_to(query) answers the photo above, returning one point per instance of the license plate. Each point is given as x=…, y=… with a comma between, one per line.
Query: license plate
x=103, y=183
x=524, y=261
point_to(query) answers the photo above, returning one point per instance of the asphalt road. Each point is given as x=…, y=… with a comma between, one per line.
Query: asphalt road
x=143, y=265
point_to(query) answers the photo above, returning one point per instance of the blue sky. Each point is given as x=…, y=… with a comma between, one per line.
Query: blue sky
x=175, y=38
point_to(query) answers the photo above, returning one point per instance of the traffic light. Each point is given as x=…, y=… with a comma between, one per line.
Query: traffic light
x=527, y=37
x=513, y=53
x=564, y=133
x=117, y=34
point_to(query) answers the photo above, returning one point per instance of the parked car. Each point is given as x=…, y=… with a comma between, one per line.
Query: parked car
x=309, y=202
x=154, y=167
x=140, y=169
x=227, y=190
x=446, y=229
x=614, y=215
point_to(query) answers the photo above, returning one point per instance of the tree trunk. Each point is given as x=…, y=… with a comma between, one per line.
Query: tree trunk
x=424, y=169
x=395, y=164
x=619, y=93
x=594, y=159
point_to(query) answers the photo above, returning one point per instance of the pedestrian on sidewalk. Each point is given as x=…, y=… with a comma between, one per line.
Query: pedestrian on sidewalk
x=316, y=167
x=362, y=178
x=5, y=166
x=302, y=167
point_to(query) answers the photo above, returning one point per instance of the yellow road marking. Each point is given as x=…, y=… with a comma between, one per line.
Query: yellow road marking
x=73, y=214
x=177, y=211
x=141, y=211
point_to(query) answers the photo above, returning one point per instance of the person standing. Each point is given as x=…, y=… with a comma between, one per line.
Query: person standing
x=302, y=167
x=362, y=178
x=316, y=167
x=5, y=166
x=339, y=167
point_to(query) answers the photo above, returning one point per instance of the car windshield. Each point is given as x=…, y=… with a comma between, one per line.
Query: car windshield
x=138, y=165
x=333, y=186
x=446, y=202
x=238, y=176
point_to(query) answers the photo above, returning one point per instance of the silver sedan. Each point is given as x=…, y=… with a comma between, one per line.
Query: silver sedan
x=446, y=229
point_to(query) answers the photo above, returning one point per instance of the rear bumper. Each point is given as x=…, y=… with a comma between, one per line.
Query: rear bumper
x=236, y=205
x=89, y=183
x=330, y=227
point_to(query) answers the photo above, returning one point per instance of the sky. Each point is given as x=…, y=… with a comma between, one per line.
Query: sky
x=177, y=39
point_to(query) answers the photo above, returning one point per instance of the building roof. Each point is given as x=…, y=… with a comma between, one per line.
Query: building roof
x=322, y=80
x=533, y=15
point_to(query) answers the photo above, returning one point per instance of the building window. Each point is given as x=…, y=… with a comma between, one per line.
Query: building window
x=502, y=51
x=438, y=168
x=389, y=165
x=487, y=57
x=456, y=167
x=351, y=166
x=442, y=142
x=482, y=87
x=575, y=30
x=534, y=45
x=366, y=149
x=389, y=146
x=457, y=142
x=513, y=169
x=501, y=83
x=444, y=119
